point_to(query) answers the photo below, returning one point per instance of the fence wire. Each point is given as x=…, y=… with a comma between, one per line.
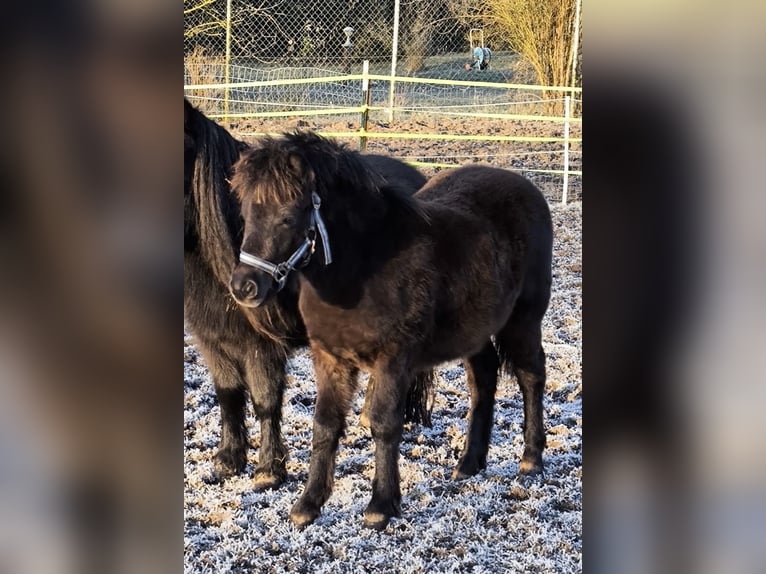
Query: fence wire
x=237, y=41
x=311, y=33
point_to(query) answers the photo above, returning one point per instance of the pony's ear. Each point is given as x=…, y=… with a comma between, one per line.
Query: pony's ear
x=240, y=176
x=301, y=170
x=296, y=164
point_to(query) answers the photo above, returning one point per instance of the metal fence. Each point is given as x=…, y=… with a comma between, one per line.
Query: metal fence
x=239, y=41
x=331, y=34
x=287, y=60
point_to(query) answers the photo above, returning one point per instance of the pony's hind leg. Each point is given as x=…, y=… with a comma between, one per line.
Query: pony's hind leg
x=520, y=344
x=481, y=372
x=230, y=391
x=267, y=382
x=336, y=382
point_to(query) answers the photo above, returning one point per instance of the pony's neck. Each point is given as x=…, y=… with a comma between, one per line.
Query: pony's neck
x=354, y=228
x=360, y=247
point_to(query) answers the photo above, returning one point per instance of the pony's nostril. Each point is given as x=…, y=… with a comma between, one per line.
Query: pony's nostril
x=249, y=289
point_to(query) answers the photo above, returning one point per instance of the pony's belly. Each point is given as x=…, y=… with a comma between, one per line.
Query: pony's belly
x=449, y=346
x=348, y=345
x=463, y=332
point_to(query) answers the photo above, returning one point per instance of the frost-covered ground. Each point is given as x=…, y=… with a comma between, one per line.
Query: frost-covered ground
x=493, y=522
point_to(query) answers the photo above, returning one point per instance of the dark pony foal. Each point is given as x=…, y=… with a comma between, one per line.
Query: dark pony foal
x=244, y=349
x=399, y=284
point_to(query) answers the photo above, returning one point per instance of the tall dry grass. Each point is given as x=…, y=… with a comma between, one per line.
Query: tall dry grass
x=201, y=69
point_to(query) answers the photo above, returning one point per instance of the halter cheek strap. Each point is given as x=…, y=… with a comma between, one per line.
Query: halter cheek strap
x=316, y=219
x=300, y=256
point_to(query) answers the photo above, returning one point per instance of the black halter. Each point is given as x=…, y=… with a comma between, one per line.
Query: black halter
x=300, y=256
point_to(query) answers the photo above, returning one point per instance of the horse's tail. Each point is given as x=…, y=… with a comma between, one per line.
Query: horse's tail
x=503, y=354
x=420, y=399
x=419, y=404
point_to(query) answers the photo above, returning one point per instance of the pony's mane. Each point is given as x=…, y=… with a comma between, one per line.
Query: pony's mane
x=216, y=152
x=279, y=170
x=216, y=211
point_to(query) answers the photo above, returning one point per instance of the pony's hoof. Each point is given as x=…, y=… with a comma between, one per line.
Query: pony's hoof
x=227, y=463
x=468, y=467
x=302, y=519
x=301, y=516
x=531, y=467
x=458, y=474
x=376, y=520
x=379, y=512
x=266, y=480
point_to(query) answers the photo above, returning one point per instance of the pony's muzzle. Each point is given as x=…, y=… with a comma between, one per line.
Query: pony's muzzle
x=247, y=288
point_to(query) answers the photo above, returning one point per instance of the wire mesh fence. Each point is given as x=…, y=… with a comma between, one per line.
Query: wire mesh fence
x=248, y=62
x=239, y=41
x=322, y=33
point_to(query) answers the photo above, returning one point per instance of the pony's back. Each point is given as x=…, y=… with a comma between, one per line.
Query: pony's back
x=505, y=204
x=503, y=196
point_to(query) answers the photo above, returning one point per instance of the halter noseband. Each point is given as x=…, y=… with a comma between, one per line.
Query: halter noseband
x=301, y=255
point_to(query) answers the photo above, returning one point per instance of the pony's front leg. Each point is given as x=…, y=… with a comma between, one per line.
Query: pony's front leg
x=336, y=383
x=387, y=406
x=230, y=391
x=266, y=380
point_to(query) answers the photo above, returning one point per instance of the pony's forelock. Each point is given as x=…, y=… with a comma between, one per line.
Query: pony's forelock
x=275, y=171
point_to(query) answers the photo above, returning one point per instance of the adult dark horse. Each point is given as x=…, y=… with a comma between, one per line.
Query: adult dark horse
x=397, y=285
x=245, y=349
